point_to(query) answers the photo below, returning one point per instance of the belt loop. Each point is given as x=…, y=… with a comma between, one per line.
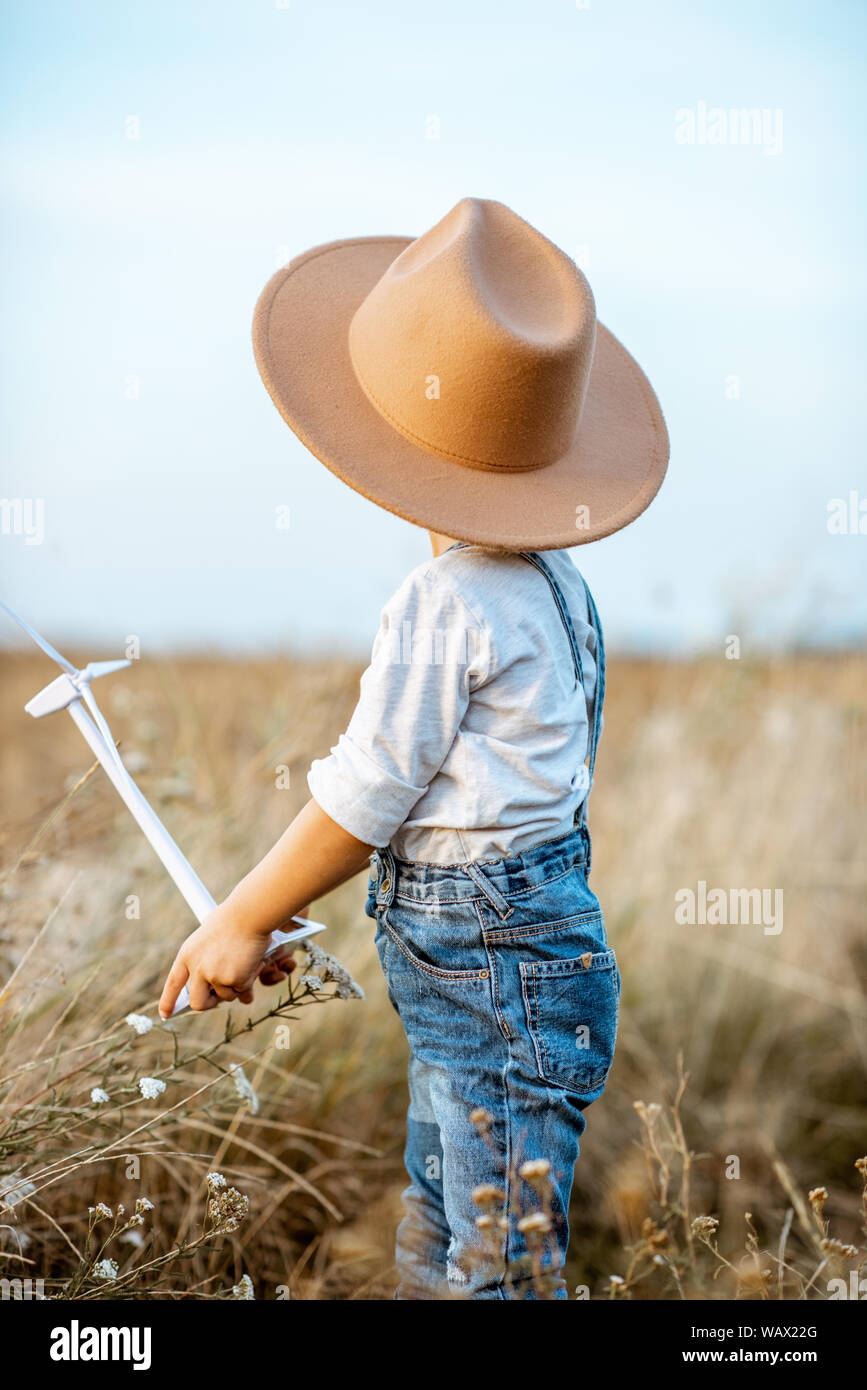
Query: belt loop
x=493, y=895
x=385, y=877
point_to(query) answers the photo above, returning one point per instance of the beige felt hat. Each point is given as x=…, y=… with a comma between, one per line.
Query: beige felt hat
x=461, y=380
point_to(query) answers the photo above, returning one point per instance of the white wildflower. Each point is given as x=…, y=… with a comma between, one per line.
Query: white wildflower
x=335, y=970
x=105, y=1269
x=244, y=1289
x=349, y=989
x=216, y=1180
x=315, y=954
x=99, y=1096
x=227, y=1208
x=310, y=982
x=143, y=1205
x=151, y=1087
x=836, y=1247
x=132, y=1238
x=140, y=1022
x=244, y=1089
x=101, y=1212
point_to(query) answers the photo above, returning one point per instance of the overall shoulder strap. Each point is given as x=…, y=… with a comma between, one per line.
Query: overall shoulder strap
x=595, y=729
x=599, y=693
x=559, y=598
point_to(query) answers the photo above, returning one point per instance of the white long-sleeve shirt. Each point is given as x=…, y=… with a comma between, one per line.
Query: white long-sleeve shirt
x=471, y=730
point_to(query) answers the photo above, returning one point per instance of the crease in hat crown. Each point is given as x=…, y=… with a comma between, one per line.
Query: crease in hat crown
x=503, y=323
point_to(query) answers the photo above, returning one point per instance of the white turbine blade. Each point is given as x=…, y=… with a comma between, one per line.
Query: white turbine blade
x=188, y=882
x=103, y=668
x=40, y=641
x=101, y=723
x=58, y=695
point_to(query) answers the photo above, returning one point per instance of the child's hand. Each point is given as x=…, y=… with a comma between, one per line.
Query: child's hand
x=221, y=960
x=274, y=970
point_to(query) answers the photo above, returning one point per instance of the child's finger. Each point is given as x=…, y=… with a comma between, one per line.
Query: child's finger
x=177, y=978
x=225, y=992
x=201, y=994
x=274, y=971
x=269, y=976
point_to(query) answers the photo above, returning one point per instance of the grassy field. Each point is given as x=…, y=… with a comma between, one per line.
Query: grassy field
x=740, y=1080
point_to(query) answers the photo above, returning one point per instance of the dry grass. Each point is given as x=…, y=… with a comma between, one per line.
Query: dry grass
x=744, y=775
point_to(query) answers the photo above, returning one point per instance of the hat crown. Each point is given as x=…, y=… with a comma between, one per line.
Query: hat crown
x=477, y=342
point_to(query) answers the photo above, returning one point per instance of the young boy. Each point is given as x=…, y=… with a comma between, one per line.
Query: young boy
x=461, y=380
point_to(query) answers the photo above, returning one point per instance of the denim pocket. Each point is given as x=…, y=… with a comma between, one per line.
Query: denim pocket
x=427, y=967
x=440, y=940
x=571, y=1008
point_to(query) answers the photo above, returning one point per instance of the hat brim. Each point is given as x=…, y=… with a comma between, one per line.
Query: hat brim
x=612, y=471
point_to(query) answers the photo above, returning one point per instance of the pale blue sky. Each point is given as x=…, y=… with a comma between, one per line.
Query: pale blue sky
x=264, y=130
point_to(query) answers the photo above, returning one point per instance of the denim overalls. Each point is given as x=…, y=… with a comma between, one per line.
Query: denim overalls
x=508, y=992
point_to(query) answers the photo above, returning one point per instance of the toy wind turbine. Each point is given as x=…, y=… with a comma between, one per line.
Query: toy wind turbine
x=71, y=691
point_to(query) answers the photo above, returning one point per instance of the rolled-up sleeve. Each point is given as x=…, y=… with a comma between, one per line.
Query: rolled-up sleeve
x=429, y=655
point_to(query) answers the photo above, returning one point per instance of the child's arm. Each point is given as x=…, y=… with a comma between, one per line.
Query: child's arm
x=413, y=697
x=221, y=959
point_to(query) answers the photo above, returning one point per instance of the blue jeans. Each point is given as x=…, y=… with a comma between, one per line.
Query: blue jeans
x=504, y=982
